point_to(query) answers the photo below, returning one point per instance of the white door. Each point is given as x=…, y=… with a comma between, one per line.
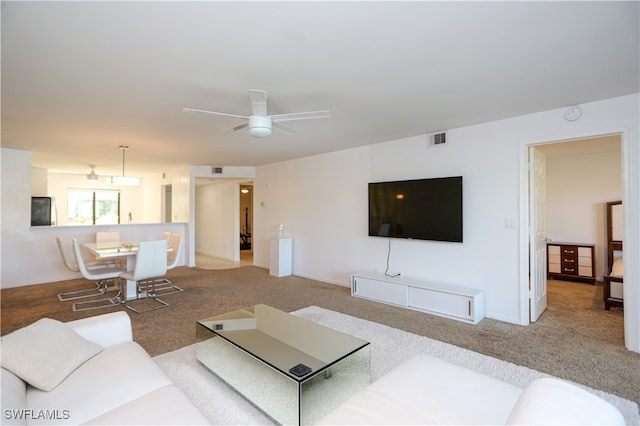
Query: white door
x=537, y=234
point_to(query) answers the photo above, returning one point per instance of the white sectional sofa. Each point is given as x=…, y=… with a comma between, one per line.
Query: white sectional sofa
x=91, y=372
x=428, y=390
x=88, y=371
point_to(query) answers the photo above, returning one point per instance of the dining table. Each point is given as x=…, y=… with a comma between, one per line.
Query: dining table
x=126, y=249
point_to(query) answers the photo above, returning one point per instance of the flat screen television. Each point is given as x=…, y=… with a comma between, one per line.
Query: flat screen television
x=422, y=209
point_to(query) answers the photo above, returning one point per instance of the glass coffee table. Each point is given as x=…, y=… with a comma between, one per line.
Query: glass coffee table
x=292, y=369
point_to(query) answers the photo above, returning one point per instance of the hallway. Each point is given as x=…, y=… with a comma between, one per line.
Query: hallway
x=209, y=262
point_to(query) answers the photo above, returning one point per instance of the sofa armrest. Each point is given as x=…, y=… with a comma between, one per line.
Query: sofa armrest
x=550, y=401
x=105, y=330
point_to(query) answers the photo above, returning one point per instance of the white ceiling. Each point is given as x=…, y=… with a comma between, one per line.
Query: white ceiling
x=81, y=78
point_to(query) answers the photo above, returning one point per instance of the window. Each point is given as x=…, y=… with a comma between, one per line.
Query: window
x=93, y=207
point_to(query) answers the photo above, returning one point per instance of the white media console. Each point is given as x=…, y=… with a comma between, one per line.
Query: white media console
x=450, y=301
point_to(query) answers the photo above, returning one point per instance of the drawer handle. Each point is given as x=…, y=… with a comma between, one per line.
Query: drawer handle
x=569, y=270
x=569, y=260
x=569, y=251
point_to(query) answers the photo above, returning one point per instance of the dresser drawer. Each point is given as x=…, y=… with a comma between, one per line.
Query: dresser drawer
x=571, y=261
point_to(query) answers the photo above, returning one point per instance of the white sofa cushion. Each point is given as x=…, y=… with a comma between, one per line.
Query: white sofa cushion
x=164, y=406
x=14, y=398
x=116, y=376
x=44, y=353
x=428, y=390
x=550, y=401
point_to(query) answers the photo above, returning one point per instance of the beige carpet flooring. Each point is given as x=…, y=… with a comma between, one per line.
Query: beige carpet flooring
x=575, y=338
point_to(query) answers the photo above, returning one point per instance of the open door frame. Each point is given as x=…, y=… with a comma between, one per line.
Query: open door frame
x=631, y=195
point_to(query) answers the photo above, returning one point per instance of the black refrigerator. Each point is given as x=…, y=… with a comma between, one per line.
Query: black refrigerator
x=43, y=211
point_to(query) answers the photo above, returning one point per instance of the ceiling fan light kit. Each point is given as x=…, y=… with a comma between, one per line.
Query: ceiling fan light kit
x=259, y=127
x=259, y=123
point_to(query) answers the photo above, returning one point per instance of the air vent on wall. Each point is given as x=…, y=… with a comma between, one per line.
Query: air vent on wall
x=438, y=139
x=216, y=170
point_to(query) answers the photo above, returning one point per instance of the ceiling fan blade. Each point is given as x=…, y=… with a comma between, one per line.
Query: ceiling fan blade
x=240, y=127
x=300, y=116
x=258, y=102
x=236, y=128
x=285, y=129
x=213, y=112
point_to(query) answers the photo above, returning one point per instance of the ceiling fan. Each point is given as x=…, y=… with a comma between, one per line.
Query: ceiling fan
x=259, y=123
x=92, y=176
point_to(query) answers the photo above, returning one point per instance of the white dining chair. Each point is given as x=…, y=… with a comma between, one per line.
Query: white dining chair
x=101, y=277
x=167, y=236
x=99, y=289
x=173, y=256
x=164, y=286
x=151, y=264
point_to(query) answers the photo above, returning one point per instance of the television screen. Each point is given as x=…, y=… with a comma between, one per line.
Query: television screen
x=423, y=209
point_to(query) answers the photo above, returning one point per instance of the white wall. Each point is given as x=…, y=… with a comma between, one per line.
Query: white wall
x=322, y=201
x=578, y=188
x=39, y=182
x=216, y=208
x=181, y=195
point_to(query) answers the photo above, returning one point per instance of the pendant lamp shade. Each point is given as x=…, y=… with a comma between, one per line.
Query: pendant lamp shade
x=124, y=180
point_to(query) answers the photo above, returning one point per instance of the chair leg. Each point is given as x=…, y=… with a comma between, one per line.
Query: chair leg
x=161, y=304
x=100, y=303
x=101, y=288
x=159, y=287
x=143, y=293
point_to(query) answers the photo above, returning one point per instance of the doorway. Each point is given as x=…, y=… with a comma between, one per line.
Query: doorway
x=246, y=223
x=581, y=175
x=166, y=201
x=223, y=218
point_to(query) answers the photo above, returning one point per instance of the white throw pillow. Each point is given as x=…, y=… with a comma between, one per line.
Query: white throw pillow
x=44, y=353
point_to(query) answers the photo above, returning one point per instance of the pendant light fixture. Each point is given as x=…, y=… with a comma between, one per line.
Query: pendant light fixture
x=92, y=177
x=124, y=180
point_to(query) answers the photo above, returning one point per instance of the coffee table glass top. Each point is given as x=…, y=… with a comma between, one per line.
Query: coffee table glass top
x=282, y=340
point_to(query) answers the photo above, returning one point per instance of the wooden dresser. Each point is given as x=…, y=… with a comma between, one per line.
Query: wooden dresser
x=571, y=261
